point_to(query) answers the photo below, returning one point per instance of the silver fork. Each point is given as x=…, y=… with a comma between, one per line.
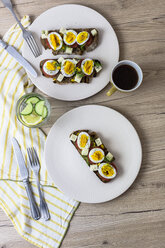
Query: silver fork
x=27, y=35
x=35, y=165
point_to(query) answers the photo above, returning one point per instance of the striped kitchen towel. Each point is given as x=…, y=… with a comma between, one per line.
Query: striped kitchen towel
x=14, y=83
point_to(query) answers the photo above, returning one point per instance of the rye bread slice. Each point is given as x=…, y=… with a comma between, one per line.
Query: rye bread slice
x=93, y=137
x=79, y=50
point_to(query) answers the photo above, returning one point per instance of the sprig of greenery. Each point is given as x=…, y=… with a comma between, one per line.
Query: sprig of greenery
x=80, y=74
x=82, y=47
x=97, y=63
x=63, y=47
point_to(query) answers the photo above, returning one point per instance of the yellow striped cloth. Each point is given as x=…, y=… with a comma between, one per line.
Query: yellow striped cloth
x=13, y=200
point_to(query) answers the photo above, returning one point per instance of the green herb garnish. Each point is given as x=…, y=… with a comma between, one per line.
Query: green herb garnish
x=63, y=47
x=80, y=74
x=97, y=63
x=82, y=47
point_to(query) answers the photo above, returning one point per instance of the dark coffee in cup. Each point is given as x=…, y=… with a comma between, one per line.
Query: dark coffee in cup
x=125, y=77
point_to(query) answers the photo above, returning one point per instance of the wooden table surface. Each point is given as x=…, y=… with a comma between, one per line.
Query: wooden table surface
x=137, y=218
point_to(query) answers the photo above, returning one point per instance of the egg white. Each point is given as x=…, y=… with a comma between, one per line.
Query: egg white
x=91, y=153
x=60, y=38
x=49, y=72
x=100, y=172
x=79, y=138
x=82, y=64
x=62, y=68
x=70, y=31
x=81, y=43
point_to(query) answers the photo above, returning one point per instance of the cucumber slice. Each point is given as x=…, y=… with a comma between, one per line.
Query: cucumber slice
x=45, y=112
x=39, y=107
x=32, y=100
x=27, y=110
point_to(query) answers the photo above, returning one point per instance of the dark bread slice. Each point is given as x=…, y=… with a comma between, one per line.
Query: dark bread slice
x=93, y=137
x=66, y=80
x=90, y=45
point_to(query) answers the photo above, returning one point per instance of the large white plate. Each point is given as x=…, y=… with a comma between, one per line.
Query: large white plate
x=68, y=169
x=75, y=16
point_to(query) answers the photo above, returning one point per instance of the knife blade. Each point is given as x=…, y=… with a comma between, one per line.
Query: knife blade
x=20, y=159
x=14, y=53
x=24, y=175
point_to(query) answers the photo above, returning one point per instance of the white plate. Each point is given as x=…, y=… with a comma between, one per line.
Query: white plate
x=75, y=16
x=68, y=169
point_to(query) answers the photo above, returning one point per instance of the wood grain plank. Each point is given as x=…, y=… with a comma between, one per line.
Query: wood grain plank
x=136, y=218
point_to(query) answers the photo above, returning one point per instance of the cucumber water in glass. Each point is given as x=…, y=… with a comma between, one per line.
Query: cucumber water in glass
x=32, y=110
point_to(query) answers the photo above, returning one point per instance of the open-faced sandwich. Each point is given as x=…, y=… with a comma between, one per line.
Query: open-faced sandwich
x=69, y=41
x=73, y=70
x=96, y=155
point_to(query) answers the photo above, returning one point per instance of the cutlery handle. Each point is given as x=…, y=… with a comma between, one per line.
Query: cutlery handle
x=10, y=7
x=44, y=210
x=33, y=206
x=3, y=44
x=43, y=205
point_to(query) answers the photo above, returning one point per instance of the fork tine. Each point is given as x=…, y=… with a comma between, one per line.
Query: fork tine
x=31, y=48
x=30, y=156
x=36, y=156
x=30, y=44
x=35, y=45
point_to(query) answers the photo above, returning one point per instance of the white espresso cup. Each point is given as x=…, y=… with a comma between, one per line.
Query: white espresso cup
x=131, y=64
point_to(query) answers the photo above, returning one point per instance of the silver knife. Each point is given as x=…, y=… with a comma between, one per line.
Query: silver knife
x=13, y=52
x=25, y=178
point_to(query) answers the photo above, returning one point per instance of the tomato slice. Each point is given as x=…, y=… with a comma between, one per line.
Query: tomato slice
x=79, y=63
x=47, y=44
x=74, y=45
x=89, y=41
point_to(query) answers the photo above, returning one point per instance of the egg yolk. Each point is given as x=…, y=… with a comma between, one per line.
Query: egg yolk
x=70, y=37
x=55, y=41
x=97, y=155
x=88, y=67
x=83, y=140
x=107, y=170
x=81, y=37
x=69, y=67
x=51, y=66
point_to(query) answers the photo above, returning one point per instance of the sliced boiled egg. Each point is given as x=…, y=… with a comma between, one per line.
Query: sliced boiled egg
x=50, y=67
x=55, y=40
x=83, y=140
x=87, y=66
x=82, y=37
x=107, y=170
x=70, y=37
x=68, y=68
x=96, y=155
